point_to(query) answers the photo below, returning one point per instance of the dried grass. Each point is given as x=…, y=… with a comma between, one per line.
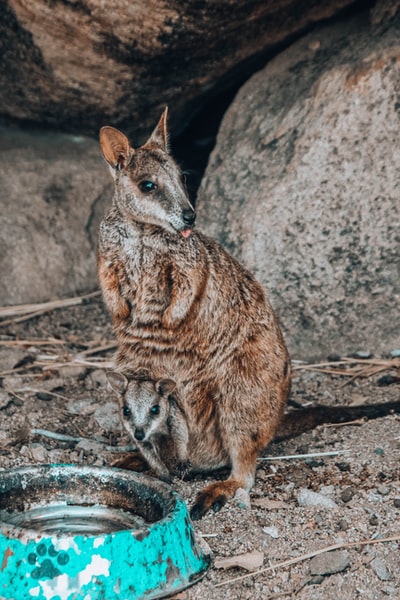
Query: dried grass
x=350, y=367
x=23, y=312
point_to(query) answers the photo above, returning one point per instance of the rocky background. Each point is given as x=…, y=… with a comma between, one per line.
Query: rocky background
x=302, y=184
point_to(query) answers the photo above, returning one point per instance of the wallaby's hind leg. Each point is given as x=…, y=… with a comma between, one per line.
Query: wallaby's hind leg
x=217, y=494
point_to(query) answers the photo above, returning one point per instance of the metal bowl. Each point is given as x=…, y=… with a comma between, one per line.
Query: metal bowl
x=73, y=532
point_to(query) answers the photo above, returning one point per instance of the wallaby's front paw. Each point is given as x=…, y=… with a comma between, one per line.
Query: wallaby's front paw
x=183, y=468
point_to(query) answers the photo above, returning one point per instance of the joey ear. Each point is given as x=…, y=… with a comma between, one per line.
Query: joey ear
x=115, y=147
x=160, y=133
x=164, y=387
x=118, y=381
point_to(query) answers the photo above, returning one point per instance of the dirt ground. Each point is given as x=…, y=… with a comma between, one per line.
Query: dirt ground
x=52, y=374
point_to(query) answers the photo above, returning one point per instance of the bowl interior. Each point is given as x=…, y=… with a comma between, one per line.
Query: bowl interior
x=89, y=500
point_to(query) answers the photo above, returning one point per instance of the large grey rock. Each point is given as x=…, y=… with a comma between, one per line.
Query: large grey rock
x=304, y=187
x=78, y=65
x=53, y=192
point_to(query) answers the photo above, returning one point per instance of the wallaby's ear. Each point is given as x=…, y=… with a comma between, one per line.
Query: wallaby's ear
x=160, y=133
x=115, y=147
x=118, y=381
x=164, y=387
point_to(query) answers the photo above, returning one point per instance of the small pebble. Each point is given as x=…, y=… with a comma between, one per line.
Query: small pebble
x=330, y=562
x=342, y=525
x=306, y=497
x=379, y=451
x=396, y=502
x=44, y=396
x=327, y=490
x=383, y=490
x=387, y=380
x=379, y=568
x=373, y=520
x=39, y=453
x=395, y=353
x=363, y=354
x=312, y=463
x=347, y=494
x=343, y=467
x=271, y=531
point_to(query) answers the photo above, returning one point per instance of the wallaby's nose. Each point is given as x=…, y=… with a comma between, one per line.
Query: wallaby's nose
x=188, y=216
x=139, y=434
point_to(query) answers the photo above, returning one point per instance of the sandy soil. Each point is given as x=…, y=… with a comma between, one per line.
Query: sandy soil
x=53, y=378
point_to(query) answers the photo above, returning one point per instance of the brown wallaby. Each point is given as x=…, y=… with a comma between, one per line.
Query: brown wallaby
x=183, y=308
x=150, y=413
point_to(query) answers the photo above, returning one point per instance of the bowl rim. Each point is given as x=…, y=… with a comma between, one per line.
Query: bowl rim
x=162, y=489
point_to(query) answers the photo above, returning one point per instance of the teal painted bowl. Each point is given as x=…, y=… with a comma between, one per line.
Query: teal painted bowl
x=90, y=533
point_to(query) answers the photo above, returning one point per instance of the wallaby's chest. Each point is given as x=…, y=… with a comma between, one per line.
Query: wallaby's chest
x=146, y=277
x=143, y=266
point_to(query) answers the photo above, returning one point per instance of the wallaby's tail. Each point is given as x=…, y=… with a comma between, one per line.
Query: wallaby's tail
x=298, y=421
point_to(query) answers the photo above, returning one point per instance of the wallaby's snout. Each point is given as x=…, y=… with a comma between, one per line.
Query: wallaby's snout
x=139, y=434
x=189, y=216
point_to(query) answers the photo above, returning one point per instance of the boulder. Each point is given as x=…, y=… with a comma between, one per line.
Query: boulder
x=53, y=192
x=78, y=65
x=303, y=186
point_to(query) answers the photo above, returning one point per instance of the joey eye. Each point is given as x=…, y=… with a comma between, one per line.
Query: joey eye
x=155, y=410
x=147, y=186
x=126, y=411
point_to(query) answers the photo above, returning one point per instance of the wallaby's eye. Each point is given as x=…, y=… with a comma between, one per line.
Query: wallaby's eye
x=155, y=410
x=126, y=411
x=147, y=186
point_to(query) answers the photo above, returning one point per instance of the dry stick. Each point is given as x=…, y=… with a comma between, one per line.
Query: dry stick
x=293, y=561
x=99, y=349
x=61, y=437
x=49, y=342
x=360, y=421
x=17, y=370
x=297, y=365
x=310, y=455
x=28, y=311
x=357, y=367
x=100, y=364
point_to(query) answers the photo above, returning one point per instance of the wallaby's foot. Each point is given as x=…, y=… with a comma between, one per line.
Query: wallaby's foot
x=133, y=461
x=182, y=469
x=213, y=496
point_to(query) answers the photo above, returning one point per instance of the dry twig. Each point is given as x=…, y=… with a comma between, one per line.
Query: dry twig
x=310, y=455
x=350, y=367
x=303, y=557
x=23, y=312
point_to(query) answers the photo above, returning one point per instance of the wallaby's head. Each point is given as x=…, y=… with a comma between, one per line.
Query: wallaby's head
x=144, y=404
x=148, y=182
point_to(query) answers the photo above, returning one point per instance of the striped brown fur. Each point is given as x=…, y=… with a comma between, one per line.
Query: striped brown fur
x=184, y=309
